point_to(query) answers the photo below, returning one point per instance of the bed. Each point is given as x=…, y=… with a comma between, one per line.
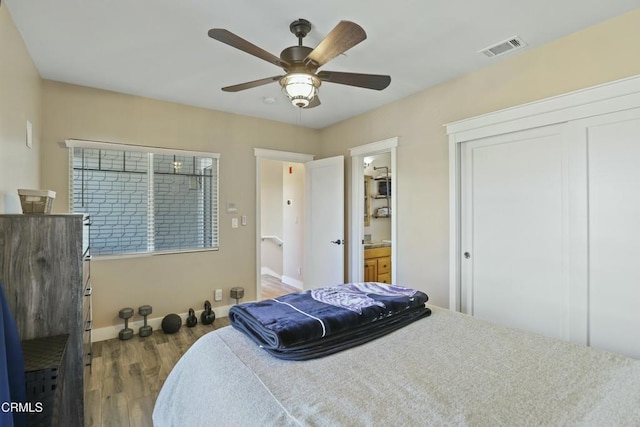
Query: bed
x=445, y=369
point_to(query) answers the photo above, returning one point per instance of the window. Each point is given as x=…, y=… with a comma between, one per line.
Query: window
x=145, y=200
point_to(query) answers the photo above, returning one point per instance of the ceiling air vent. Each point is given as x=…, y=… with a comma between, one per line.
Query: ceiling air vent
x=503, y=47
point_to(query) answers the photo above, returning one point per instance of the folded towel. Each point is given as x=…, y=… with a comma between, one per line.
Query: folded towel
x=322, y=321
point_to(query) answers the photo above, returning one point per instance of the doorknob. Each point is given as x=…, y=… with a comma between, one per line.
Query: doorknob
x=467, y=255
x=338, y=242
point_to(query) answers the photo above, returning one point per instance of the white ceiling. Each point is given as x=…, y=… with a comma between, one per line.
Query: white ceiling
x=160, y=48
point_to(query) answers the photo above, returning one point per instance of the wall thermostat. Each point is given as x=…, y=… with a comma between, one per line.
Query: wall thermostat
x=231, y=207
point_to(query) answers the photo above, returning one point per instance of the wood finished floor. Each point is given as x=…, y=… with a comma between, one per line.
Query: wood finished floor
x=127, y=375
x=272, y=287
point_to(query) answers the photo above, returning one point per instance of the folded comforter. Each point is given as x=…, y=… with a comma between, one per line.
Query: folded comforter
x=319, y=322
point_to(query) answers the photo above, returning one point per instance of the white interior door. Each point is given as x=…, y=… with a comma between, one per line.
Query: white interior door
x=515, y=230
x=614, y=231
x=324, y=223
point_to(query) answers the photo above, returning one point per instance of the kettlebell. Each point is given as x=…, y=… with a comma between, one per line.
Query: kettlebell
x=208, y=316
x=192, y=320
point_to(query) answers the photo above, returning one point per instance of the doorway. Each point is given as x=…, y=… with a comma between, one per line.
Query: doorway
x=372, y=254
x=323, y=206
x=282, y=188
x=377, y=218
x=280, y=221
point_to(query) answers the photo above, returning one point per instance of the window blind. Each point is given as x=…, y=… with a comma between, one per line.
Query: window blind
x=145, y=201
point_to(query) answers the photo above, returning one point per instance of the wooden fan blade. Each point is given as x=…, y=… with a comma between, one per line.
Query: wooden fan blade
x=314, y=102
x=227, y=37
x=368, y=81
x=343, y=37
x=249, y=85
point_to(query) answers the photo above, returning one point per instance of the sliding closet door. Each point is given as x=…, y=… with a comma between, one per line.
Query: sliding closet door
x=516, y=230
x=613, y=143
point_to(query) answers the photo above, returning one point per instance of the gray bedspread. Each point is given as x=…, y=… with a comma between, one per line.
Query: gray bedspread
x=447, y=369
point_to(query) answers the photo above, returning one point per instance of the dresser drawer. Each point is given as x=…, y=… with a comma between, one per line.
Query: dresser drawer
x=86, y=338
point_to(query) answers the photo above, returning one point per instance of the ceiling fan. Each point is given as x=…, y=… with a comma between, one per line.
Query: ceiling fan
x=301, y=79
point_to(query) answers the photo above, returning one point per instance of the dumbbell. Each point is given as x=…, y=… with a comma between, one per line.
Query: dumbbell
x=126, y=333
x=237, y=293
x=144, y=311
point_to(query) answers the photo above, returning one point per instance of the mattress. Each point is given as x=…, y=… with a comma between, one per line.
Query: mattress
x=449, y=368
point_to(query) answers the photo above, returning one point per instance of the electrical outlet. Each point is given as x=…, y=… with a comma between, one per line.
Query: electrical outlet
x=217, y=295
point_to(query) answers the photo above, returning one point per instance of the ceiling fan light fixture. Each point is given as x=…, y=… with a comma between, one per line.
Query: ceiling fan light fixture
x=300, y=88
x=300, y=63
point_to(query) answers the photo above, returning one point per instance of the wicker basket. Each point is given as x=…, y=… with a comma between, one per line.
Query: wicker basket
x=36, y=201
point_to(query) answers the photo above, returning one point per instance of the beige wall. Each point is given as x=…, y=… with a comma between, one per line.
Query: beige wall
x=20, y=92
x=596, y=55
x=170, y=283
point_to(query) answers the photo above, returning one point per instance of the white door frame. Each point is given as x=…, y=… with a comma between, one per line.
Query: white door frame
x=265, y=154
x=605, y=98
x=356, y=221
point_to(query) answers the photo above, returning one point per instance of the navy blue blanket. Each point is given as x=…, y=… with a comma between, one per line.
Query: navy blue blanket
x=12, y=379
x=322, y=321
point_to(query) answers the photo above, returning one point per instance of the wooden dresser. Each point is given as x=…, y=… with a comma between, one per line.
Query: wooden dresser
x=44, y=268
x=377, y=264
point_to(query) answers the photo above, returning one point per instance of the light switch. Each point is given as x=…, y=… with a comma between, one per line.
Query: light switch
x=234, y=222
x=243, y=220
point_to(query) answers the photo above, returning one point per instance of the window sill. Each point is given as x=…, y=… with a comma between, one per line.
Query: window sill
x=149, y=254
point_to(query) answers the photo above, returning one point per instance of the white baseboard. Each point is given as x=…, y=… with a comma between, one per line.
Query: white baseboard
x=110, y=332
x=292, y=282
x=270, y=272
